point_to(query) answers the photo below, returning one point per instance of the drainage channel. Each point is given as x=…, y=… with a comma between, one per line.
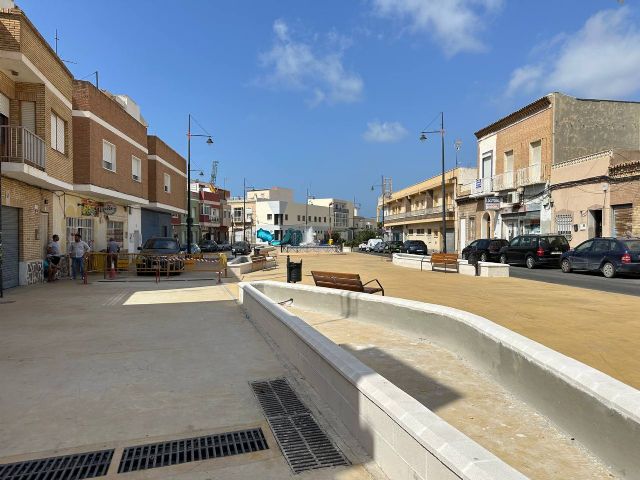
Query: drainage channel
x=66, y=467
x=303, y=443
x=140, y=457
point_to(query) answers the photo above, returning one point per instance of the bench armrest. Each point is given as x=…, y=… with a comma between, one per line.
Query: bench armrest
x=375, y=280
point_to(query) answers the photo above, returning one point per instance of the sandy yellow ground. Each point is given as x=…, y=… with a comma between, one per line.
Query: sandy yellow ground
x=598, y=328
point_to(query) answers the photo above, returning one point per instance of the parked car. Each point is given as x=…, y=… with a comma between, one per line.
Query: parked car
x=607, y=255
x=393, y=246
x=158, y=247
x=535, y=250
x=194, y=248
x=416, y=247
x=378, y=247
x=372, y=242
x=208, y=246
x=241, y=248
x=484, y=250
x=224, y=246
x=362, y=246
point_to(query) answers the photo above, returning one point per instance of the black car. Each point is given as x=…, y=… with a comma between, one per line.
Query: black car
x=607, y=255
x=535, y=250
x=379, y=247
x=241, y=248
x=208, y=246
x=484, y=250
x=393, y=246
x=416, y=247
x=224, y=246
x=162, y=250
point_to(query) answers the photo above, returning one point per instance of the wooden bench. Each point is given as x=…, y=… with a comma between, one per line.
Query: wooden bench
x=445, y=260
x=345, y=281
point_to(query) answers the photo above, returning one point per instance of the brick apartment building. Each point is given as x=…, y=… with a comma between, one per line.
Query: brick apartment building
x=211, y=215
x=73, y=159
x=36, y=147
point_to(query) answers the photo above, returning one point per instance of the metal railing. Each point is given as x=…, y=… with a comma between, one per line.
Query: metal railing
x=482, y=185
x=20, y=145
x=522, y=177
x=416, y=214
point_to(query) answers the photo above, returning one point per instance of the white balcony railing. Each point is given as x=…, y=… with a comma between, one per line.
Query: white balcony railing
x=481, y=186
x=506, y=181
x=417, y=214
x=17, y=144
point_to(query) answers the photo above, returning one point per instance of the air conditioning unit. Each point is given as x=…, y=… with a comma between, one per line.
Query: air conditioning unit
x=136, y=177
x=513, y=197
x=166, y=188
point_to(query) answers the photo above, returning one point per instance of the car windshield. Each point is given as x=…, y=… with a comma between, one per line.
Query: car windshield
x=161, y=244
x=553, y=242
x=632, y=245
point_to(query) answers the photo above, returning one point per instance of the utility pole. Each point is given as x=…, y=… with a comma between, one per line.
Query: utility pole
x=306, y=209
x=244, y=209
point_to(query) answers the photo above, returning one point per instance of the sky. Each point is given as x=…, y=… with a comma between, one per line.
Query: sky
x=332, y=95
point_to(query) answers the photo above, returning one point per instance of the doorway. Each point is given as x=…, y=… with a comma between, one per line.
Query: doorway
x=486, y=226
x=595, y=223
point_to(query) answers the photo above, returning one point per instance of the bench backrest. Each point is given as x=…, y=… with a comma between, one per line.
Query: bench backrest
x=444, y=258
x=344, y=281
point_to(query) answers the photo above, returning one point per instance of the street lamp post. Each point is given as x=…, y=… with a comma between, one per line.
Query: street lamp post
x=383, y=190
x=244, y=211
x=423, y=137
x=330, y=203
x=189, y=217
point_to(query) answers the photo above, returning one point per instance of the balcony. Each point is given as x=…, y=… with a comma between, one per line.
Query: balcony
x=19, y=145
x=422, y=214
x=531, y=175
x=482, y=186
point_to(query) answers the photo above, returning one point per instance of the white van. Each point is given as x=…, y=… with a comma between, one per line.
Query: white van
x=372, y=243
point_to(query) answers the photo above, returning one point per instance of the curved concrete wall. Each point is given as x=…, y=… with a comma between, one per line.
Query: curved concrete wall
x=406, y=439
x=599, y=411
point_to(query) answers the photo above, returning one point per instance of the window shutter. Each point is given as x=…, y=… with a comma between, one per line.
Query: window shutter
x=54, y=126
x=60, y=134
x=622, y=220
x=28, y=114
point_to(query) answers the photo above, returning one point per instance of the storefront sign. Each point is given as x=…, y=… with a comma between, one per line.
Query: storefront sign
x=109, y=208
x=492, y=203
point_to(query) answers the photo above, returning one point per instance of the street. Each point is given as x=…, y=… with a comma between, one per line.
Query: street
x=593, y=281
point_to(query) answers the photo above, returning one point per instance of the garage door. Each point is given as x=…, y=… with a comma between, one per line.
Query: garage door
x=10, y=253
x=622, y=220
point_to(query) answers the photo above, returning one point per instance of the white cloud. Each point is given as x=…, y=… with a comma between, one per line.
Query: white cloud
x=384, y=132
x=599, y=60
x=307, y=67
x=454, y=24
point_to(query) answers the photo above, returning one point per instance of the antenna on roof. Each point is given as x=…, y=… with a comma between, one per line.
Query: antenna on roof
x=56, y=38
x=214, y=171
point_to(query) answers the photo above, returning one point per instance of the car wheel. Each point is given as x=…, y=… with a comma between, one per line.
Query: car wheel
x=483, y=257
x=566, y=266
x=503, y=258
x=608, y=270
x=531, y=262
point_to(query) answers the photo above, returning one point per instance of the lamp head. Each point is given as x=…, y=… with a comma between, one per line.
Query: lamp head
x=423, y=137
x=210, y=141
x=372, y=188
x=201, y=173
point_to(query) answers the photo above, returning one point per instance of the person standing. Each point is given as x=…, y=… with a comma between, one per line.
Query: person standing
x=77, y=250
x=112, y=254
x=53, y=253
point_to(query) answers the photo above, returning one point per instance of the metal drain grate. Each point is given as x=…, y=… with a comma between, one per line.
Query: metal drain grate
x=164, y=454
x=303, y=443
x=67, y=467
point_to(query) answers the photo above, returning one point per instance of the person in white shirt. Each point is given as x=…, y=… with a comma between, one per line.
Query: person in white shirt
x=53, y=254
x=77, y=250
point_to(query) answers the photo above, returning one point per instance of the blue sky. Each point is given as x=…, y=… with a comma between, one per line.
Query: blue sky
x=331, y=95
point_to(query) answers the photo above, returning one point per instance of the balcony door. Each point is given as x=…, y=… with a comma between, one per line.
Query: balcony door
x=487, y=165
x=4, y=122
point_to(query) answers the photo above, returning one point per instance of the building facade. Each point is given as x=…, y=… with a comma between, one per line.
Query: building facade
x=415, y=212
x=210, y=212
x=36, y=146
x=512, y=193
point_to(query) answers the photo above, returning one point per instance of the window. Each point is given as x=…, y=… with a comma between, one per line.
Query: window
x=411, y=231
x=286, y=216
x=563, y=224
x=167, y=183
x=83, y=226
x=602, y=246
x=508, y=161
x=58, y=128
x=515, y=242
x=487, y=165
x=584, y=247
x=325, y=219
x=28, y=115
x=269, y=216
x=136, y=169
x=115, y=230
x=315, y=219
x=535, y=153
x=303, y=218
x=420, y=231
x=108, y=155
x=428, y=231
x=205, y=209
x=298, y=217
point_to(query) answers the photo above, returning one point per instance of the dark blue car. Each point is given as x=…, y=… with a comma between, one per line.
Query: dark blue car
x=610, y=256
